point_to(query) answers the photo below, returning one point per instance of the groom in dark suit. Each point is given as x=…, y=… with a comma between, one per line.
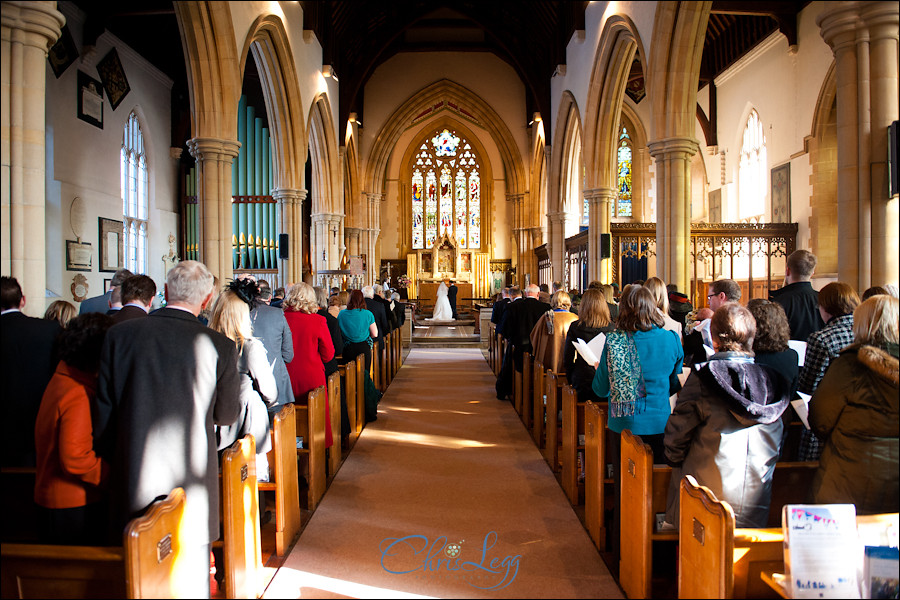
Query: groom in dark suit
x=165, y=381
x=451, y=296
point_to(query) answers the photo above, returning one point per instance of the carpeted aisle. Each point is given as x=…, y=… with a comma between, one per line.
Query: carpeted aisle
x=445, y=495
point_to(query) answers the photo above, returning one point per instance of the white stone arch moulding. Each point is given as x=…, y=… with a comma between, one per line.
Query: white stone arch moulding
x=325, y=155
x=561, y=169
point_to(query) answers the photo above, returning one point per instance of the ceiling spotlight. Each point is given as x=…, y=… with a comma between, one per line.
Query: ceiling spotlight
x=328, y=71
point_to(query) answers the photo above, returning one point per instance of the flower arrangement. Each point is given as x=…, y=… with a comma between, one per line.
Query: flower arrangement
x=403, y=281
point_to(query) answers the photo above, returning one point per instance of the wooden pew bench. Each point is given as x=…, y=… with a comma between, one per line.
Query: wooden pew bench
x=335, y=456
x=644, y=492
x=142, y=568
x=310, y=418
x=241, y=545
x=17, y=484
x=351, y=382
x=553, y=384
x=283, y=478
x=572, y=473
x=535, y=419
x=596, y=483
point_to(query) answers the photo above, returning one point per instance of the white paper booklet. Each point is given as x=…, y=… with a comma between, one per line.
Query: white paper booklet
x=800, y=347
x=591, y=351
x=802, y=408
x=821, y=550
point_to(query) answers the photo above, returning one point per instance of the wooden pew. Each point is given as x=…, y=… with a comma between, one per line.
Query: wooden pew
x=283, y=478
x=522, y=384
x=241, y=545
x=334, y=406
x=17, y=484
x=573, y=443
x=644, y=492
x=553, y=390
x=492, y=348
x=348, y=382
x=360, y=392
x=717, y=560
x=142, y=568
x=387, y=374
x=311, y=427
x=375, y=371
x=595, y=480
x=536, y=421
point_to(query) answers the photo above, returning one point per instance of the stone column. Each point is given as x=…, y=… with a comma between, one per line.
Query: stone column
x=673, y=208
x=864, y=39
x=373, y=220
x=291, y=202
x=599, y=200
x=557, y=223
x=29, y=29
x=324, y=243
x=214, y=157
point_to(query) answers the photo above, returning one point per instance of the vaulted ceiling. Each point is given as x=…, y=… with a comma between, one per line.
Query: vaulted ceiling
x=359, y=35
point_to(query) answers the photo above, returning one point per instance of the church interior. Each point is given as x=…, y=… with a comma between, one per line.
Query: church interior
x=491, y=144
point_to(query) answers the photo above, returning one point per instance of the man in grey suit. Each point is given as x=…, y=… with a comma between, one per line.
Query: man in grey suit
x=165, y=380
x=270, y=326
x=101, y=303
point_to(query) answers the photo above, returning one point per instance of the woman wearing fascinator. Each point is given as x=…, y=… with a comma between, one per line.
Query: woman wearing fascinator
x=231, y=317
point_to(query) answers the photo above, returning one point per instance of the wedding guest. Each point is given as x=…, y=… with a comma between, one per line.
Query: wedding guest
x=635, y=370
x=657, y=287
x=726, y=428
x=593, y=319
x=855, y=413
x=837, y=301
x=67, y=489
x=358, y=328
x=231, y=317
x=875, y=290
x=549, y=334
x=337, y=340
x=797, y=297
x=60, y=311
x=312, y=346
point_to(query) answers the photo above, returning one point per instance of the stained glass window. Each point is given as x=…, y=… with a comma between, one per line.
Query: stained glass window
x=622, y=206
x=446, y=191
x=135, y=196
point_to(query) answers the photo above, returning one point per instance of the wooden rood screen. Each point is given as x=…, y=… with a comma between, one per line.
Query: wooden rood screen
x=753, y=254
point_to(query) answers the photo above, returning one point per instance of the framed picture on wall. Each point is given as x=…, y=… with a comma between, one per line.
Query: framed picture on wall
x=113, y=76
x=78, y=256
x=63, y=53
x=90, y=100
x=111, y=256
x=781, y=194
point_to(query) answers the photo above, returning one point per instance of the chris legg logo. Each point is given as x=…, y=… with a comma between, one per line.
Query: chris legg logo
x=478, y=567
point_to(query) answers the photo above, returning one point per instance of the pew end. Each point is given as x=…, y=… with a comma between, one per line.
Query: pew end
x=283, y=478
x=242, y=546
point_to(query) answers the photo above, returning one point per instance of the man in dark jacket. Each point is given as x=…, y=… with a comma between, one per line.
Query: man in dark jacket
x=27, y=347
x=798, y=298
x=520, y=320
x=452, y=291
x=377, y=309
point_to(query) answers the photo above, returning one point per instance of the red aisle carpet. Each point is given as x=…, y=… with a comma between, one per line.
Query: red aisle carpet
x=444, y=496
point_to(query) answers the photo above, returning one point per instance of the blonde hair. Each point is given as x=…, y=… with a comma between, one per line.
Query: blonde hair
x=61, y=311
x=875, y=321
x=231, y=317
x=561, y=299
x=302, y=297
x=657, y=287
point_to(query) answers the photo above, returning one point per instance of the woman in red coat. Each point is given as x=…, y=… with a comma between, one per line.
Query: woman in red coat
x=69, y=474
x=312, y=345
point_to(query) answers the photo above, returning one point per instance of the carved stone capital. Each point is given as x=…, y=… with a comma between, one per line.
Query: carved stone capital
x=674, y=147
x=289, y=195
x=36, y=24
x=213, y=149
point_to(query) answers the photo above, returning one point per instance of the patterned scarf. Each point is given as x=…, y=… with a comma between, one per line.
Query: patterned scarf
x=625, y=374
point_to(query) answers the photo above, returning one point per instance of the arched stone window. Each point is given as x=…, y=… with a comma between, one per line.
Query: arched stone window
x=624, y=173
x=752, y=174
x=135, y=196
x=446, y=191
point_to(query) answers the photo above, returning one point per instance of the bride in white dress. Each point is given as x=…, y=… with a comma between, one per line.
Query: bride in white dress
x=442, y=311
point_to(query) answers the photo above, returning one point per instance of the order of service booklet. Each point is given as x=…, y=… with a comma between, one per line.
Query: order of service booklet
x=821, y=547
x=591, y=351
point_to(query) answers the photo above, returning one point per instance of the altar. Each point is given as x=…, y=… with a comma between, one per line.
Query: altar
x=428, y=267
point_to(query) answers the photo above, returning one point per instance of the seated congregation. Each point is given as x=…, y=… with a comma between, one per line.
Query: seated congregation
x=113, y=411
x=664, y=393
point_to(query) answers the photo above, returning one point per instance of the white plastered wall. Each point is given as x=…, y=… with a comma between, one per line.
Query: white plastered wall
x=83, y=161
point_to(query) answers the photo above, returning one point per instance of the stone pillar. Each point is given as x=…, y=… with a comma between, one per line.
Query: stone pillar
x=351, y=237
x=214, y=157
x=557, y=223
x=325, y=244
x=373, y=214
x=29, y=29
x=864, y=39
x=673, y=208
x=291, y=202
x=599, y=200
